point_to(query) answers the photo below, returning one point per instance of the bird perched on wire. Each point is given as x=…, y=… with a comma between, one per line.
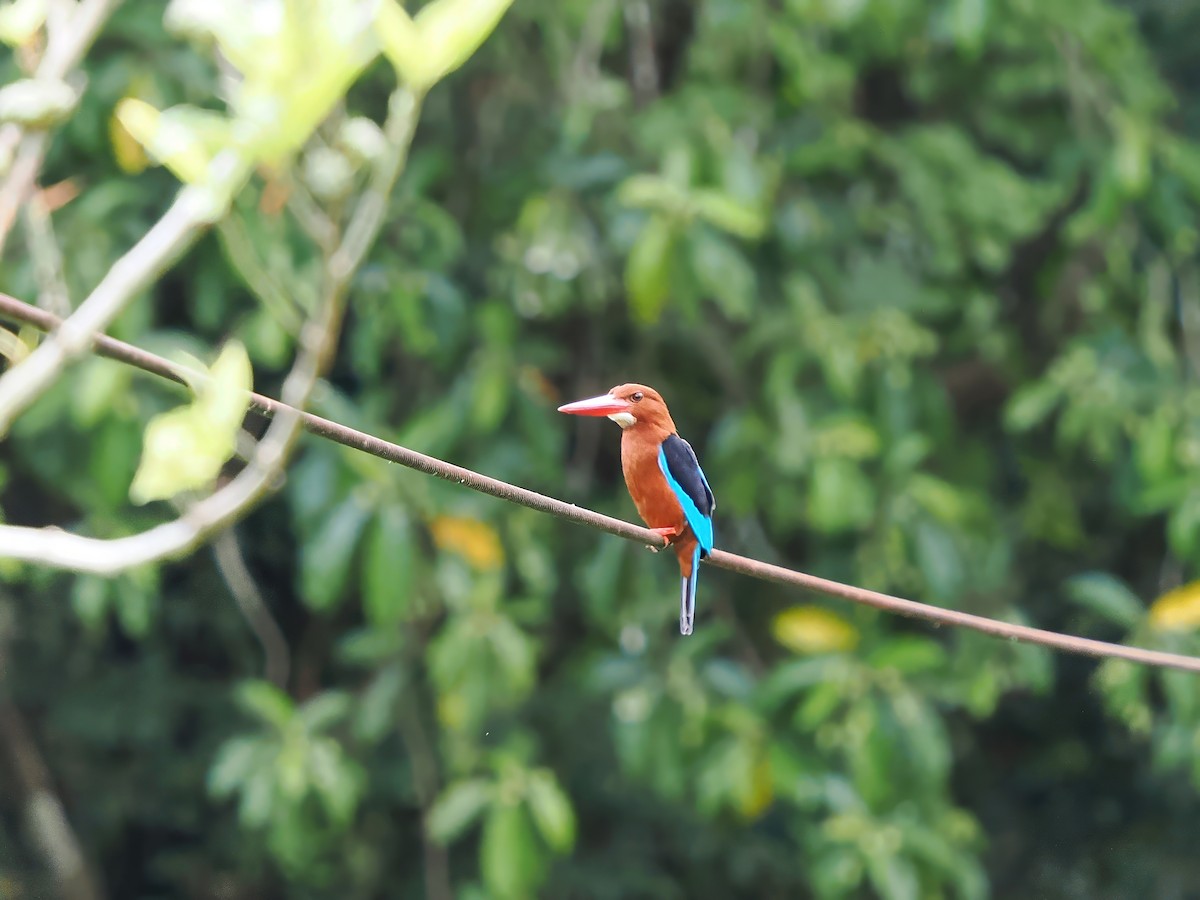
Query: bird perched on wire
x=664, y=478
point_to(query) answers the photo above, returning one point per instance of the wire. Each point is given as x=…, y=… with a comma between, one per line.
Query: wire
x=120, y=351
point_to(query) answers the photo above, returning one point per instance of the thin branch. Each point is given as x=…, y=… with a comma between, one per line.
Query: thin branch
x=45, y=818
x=68, y=41
x=426, y=784
x=236, y=574
x=375, y=446
x=404, y=108
x=47, y=257
x=643, y=63
x=238, y=246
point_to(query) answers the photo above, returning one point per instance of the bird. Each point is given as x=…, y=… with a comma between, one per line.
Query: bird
x=664, y=478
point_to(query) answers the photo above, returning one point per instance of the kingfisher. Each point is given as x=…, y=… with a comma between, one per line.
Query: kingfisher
x=664, y=478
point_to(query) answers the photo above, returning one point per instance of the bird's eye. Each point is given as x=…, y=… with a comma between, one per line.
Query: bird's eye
x=637, y=395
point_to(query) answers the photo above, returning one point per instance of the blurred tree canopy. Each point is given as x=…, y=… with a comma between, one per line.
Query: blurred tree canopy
x=920, y=283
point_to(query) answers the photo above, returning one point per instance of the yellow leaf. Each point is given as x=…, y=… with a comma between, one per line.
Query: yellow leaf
x=754, y=802
x=475, y=541
x=185, y=448
x=12, y=347
x=130, y=155
x=452, y=710
x=401, y=41
x=183, y=138
x=224, y=397
x=1178, y=609
x=19, y=22
x=439, y=39
x=812, y=629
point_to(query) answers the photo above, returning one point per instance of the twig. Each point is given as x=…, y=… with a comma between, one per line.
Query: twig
x=232, y=566
x=643, y=63
x=45, y=818
x=375, y=446
x=44, y=814
x=313, y=220
x=235, y=239
x=404, y=108
x=426, y=781
x=47, y=258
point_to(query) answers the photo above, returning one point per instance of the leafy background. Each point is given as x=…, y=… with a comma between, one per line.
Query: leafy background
x=920, y=283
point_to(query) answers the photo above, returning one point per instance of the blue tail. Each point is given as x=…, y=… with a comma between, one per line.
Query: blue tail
x=687, y=599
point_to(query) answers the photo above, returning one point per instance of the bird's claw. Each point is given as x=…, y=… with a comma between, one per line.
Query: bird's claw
x=669, y=532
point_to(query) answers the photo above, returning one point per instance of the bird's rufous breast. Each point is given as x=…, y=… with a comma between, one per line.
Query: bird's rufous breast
x=655, y=501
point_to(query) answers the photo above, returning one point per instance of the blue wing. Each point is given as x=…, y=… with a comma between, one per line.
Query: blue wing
x=678, y=463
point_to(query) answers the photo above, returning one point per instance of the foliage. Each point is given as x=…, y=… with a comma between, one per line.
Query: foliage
x=919, y=281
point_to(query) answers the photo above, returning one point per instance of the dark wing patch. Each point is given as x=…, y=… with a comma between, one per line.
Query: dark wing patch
x=686, y=478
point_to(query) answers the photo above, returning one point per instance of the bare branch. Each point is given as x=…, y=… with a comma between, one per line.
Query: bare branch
x=404, y=109
x=235, y=240
x=47, y=257
x=234, y=571
x=45, y=818
x=367, y=443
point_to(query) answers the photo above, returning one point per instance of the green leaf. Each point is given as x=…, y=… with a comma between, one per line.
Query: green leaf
x=551, y=809
x=324, y=710
x=508, y=855
x=732, y=216
x=236, y=760
x=377, y=706
x=651, y=192
x=969, y=23
x=101, y=386
x=457, y=807
x=134, y=605
x=388, y=563
x=90, y=600
x=846, y=435
x=908, y=655
x=892, y=876
x=723, y=271
x=819, y=704
x=337, y=780
x=841, y=497
x=1106, y=596
x=648, y=269
x=939, y=560
x=326, y=557
x=266, y=702
x=1031, y=404
x=1183, y=527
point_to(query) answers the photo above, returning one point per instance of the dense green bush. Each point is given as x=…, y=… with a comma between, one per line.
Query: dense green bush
x=919, y=281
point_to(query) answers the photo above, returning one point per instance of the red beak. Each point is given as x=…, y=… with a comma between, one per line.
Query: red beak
x=604, y=405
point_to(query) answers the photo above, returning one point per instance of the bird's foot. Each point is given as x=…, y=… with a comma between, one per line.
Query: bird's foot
x=669, y=532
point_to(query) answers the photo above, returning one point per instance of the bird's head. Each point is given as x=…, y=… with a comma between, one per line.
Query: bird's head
x=629, y=405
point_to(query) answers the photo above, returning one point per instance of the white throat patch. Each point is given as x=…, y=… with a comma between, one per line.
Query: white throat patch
x=624, y=419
